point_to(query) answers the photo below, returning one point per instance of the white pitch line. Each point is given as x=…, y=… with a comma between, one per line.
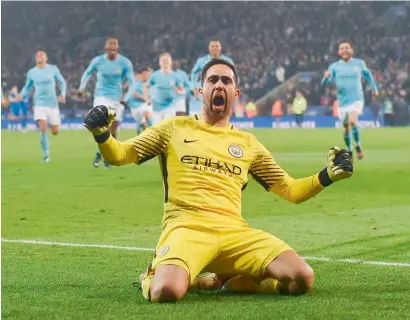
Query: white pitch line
x=66, y=244
x=106, y=246
x=356, y=261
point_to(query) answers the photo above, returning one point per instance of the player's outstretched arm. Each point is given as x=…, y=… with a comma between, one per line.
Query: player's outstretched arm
x=152, y=142
x=63, y=84
x=369, y=78
x=29, y=84
x=87, y=74
x=328, y=76
x=129, y=75
x=97, y=121
x=274, y=179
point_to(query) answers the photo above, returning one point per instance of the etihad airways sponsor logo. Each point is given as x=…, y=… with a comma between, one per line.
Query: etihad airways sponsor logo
x=208, y=164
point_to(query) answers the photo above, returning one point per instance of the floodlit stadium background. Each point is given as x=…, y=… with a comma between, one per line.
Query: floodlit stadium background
x=277, y=46
x=103, y=223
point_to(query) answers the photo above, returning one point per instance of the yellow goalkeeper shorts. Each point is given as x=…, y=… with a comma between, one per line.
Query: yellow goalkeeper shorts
x=230, y=251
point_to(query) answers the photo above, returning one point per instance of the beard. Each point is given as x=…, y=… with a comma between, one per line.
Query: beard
x=219, y=109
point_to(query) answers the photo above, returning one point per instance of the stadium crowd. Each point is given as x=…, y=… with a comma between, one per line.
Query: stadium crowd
x=269, y=41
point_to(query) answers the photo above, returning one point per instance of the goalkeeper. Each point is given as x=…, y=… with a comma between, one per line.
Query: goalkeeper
x=205, y=164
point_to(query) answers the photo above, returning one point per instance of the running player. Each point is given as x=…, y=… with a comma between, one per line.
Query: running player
x=347, y=74
x=14, y=113
x=43, y=78
x=166, y=85
x=24, y=107
x=140, y=111
x=180, y=100
x=205, y=164
x=215, y=49
x=112, y=68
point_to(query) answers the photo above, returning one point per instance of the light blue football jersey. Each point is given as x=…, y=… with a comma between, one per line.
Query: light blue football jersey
x=347, y=77
x=135, y=102
x=164, y=86
x=110, y=77
x=44, y=82
x=185, y=82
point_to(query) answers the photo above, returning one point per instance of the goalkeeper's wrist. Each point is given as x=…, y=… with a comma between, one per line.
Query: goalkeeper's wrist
x=102, y=137
x=324, y=178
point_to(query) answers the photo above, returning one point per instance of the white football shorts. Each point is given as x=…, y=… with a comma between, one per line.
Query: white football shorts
x=344, y=111
x=158, y=116
x=111, y=104
x=50, y=114
x=180, y=105
x=139, y=113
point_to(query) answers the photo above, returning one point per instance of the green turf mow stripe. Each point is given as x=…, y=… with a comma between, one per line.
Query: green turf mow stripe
x=106, y=246
x=65, y=244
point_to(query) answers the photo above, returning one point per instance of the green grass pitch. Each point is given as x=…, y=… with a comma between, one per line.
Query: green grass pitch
x=366, y=217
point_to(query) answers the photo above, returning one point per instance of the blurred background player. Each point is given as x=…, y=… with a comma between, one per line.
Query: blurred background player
x=112, y=68
x=14, y=112
x=24, y=107
x=140, y=110
x=43, y=78
x=181, y=98
x=166, y=85
x=215, y=49
x=347, y=74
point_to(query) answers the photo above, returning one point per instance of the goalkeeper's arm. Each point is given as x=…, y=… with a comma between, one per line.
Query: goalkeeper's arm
x=148, y=145
x=117, y=153
x=276, y=180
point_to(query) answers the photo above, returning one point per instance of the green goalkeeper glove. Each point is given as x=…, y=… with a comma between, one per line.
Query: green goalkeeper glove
x=98, y=120
x=339, y=166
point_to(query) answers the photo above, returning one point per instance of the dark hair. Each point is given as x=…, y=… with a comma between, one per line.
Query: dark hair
x=215, y=62
x=146, y=69
x=346, y=41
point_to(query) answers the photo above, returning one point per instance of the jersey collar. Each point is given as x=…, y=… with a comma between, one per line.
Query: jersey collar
x=106, y=57
x=45, y=66
x=206, y=125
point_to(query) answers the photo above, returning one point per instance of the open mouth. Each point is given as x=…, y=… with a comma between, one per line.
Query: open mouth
x=218, y=101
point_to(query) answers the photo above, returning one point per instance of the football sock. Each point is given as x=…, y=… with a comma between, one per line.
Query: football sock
x=348, y=139
x=356, y=134
x=44, y=143
x=24, y=123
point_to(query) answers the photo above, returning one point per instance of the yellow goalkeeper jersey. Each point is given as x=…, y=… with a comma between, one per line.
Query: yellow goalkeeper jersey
x=205, y=168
